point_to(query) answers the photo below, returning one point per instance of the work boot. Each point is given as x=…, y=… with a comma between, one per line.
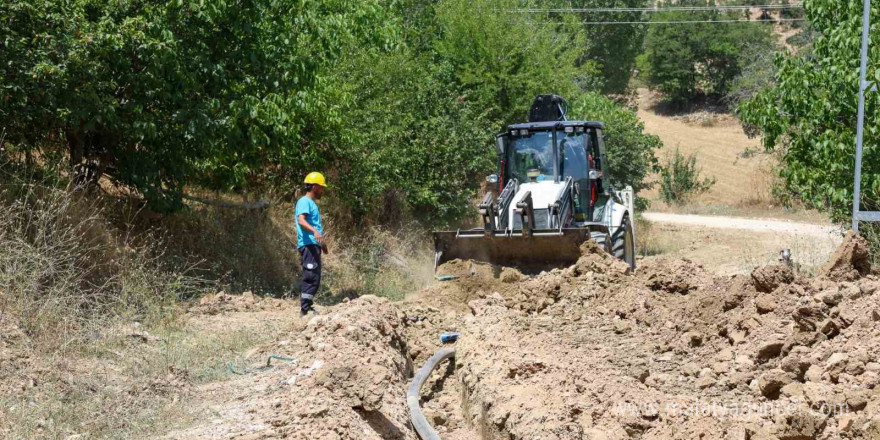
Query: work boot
x=309, y=311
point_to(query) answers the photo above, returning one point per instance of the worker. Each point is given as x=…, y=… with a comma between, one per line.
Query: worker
x=310, y=240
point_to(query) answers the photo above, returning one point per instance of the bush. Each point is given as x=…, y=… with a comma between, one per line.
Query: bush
x=680, y=179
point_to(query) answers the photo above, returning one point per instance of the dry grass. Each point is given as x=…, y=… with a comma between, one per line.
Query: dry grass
x=256, y=250
x=119, y=386
x=84, y=276
x=62, y=267
x=744, y=174
x=378, y=262
x=650, y=241
x=71, y=284
x=717, y=147
x=77, y=271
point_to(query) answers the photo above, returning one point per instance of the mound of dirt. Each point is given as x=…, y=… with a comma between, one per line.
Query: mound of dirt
x=673, y=276
x=768, y=278
x=591, y=351
x=671, y=352
x=850, y=261
x=348, y=381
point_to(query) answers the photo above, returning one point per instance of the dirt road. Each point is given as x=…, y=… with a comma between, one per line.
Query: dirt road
x=747, y=224
x=735, y=245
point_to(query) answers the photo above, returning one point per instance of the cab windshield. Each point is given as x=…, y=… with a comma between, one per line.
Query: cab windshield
x=533, y=156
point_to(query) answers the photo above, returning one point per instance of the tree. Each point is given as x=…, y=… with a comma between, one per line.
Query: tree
x=614, y=47
x=398, y=101
x=414, y=147
x=690, y=59
x=501, y=61
x=159, y=95
x=425, y=113
x=809, y=116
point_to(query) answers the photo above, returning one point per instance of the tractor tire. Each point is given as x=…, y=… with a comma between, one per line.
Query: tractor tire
x=623, y=246
x=601, y=238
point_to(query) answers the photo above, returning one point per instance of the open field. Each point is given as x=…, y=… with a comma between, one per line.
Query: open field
x=743, y=171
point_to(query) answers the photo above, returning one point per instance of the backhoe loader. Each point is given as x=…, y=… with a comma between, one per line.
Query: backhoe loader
x=554, y=193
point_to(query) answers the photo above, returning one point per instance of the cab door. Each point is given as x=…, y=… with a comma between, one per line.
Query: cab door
x=575, y=164
x=598, y=187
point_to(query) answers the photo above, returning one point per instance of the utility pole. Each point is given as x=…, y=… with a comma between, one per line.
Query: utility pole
x=860, y=128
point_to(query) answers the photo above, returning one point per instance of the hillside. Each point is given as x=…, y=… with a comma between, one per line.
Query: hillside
x=742, y=193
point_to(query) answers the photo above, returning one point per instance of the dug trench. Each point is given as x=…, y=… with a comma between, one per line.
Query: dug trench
x=591, y=351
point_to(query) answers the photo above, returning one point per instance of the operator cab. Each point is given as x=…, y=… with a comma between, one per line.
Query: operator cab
x=554, y=151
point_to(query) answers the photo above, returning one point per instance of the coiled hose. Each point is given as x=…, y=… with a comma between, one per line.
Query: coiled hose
x=419, y=422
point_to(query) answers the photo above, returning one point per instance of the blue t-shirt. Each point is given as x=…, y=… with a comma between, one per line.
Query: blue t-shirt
x=305, y=205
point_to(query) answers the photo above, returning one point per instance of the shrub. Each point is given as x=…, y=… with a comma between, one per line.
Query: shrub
x=680, y=179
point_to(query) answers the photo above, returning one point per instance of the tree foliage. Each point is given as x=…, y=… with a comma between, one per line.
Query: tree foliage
x=398, y=101
x=161, y=94
x=614, y=48
x=414, y=146
x=809, y=116
x=690, y=59
x=426, y=112
x=501, y=61
x=453, y=93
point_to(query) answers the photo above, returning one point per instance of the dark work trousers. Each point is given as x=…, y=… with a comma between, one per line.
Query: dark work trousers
x=311, y=264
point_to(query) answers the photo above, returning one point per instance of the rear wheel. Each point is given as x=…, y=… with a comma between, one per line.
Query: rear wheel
x=623, y=245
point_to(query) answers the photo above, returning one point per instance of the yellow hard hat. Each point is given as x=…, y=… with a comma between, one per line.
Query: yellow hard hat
x=316, y=178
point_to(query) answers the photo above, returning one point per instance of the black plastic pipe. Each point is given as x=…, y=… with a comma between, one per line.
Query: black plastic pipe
x=413, y=395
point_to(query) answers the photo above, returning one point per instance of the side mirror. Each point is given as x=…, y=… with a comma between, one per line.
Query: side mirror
x=492, y=178
x=595, y=175
x=501, y=144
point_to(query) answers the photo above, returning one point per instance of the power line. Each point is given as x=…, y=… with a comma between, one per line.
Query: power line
x=666, y=9
x=686, y=21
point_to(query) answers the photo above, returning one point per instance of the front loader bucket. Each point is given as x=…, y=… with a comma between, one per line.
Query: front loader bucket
x=540, y=251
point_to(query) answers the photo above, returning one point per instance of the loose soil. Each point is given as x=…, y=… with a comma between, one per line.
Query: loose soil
x=592, y=351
